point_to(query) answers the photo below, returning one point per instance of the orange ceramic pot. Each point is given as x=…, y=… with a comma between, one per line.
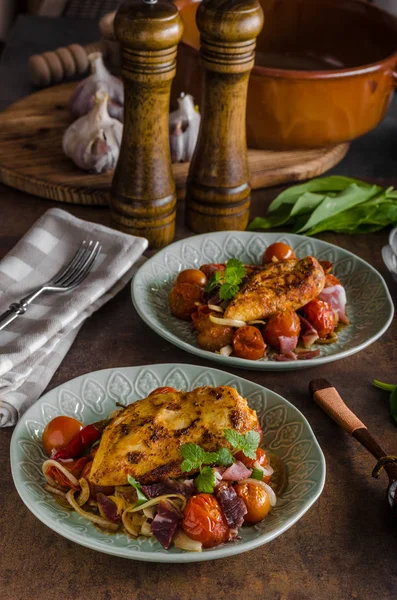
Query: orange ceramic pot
x=325, y=71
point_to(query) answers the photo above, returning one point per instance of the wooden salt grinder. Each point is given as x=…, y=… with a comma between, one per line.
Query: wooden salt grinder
x=218, y=190
x=143, y=200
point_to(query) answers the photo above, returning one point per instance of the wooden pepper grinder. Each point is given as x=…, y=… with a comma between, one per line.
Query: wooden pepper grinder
x=218, y=189
x=143, y=199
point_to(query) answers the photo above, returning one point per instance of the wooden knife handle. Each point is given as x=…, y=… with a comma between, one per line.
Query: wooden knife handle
x=328, y=398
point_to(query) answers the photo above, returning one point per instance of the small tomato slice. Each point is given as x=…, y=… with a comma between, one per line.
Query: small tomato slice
x=203, y=521
x=321, y=316
x=256, y=500
x=278, y=251
x=58, y=433
x=261, y=458
x=248, y=343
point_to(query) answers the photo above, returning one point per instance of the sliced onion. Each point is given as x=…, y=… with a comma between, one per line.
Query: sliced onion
x=85, y=492
x=184, y=542
x=149, y=512
x=226, y=350
x=218, y=476
x=89, y=516
x=157, y=500
x=146, y=529
x=54, y=463
x=267, y=488
x=54, y=491
x=267, y=471
x=227, y=322
x=133, y=530
x=256, y=322
x=215, y=307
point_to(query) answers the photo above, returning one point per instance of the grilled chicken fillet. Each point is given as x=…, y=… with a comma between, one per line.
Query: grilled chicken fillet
x=144, y=439
x=285, y=285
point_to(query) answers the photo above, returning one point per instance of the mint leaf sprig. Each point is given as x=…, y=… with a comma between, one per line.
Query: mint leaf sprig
x=246, y=442
x=228, y=281
x=197, y=459
x=142, y=499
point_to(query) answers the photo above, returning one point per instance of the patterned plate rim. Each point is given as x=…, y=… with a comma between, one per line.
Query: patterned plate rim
x=250, y=364
x=223, y=551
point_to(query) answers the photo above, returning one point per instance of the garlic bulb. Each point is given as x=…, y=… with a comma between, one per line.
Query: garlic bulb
x=82, y=99
x=93, y=141
x=184, y=128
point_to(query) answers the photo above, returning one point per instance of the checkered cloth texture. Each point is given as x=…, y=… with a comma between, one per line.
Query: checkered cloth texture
x=34, y=344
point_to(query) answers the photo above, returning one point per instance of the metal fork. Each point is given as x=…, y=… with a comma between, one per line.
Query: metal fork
x=67, y=279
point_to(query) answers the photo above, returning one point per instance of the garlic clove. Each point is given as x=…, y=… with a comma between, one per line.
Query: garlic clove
x=82, y=100
x=93, y=141
x=189, y=118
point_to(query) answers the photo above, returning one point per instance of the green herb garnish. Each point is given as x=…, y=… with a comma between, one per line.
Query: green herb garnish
x=334, y=203
x=257, y=474
x=247, y=442
x=206, y=480
x=389, y=387
x=228, y=281
x=140, y=495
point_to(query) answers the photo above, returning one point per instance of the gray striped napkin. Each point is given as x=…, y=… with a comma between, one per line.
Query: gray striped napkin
x=33, y=346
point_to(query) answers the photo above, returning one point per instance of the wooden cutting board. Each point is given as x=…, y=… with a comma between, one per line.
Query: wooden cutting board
x=32, y=160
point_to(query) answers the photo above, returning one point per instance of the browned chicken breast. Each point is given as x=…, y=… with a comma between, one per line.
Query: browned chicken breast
x=144, y=439
x=286, y=285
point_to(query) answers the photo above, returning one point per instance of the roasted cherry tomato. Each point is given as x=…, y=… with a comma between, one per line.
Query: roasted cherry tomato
x=58, y=432
x=248, y=343
x=211, y=268
x=194, y=276
x=285, y=324
x=163, y=390
x=183, y=298
x=321, y=316
x=256, y=500
x=331, y=280
x=261, y=458
x=75, y=467
x=203, y=521
x=326, y=265
x=279, y=251
x=211, y=336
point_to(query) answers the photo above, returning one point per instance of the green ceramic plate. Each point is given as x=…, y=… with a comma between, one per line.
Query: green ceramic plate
x=92, y=396
x=369, y=305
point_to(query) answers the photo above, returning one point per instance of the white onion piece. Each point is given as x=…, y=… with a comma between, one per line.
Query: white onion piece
x=218, y=476
x=149, y=512
x=146, y=529
x=227, y=322
x=53, y=463
x=184, y=542
x=267, y=488
x=215, y=308
x=226, y=350
x=267, y=471
x=256, y=322
x=54, y=491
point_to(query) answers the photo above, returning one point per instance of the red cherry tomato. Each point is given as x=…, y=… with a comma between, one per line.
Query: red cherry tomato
x=261, y=458
x=211, y=268
x=203, y=521
x=256, y=500
x=58, y=433
x=163, y=390
x=279, y=251
x=194, y=276
x=183, y=298
x=248, y=343
x=331, y=280
x=321, y=316
x=281, y=324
